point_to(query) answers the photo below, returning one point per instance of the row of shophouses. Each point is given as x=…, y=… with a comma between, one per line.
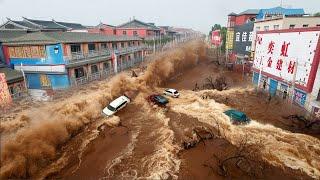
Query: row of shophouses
x=281, y=47
x=43, y=56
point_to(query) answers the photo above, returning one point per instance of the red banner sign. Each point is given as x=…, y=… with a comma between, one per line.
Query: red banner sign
x=216, y=38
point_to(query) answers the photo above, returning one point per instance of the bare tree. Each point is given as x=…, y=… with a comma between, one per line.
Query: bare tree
x=246, y=158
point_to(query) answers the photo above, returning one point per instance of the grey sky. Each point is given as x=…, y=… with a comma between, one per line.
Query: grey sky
x=196, y=14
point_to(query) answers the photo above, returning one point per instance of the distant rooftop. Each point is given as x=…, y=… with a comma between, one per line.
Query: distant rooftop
x=280, y=11
x=138, y=24
x=33, y=24
x=249, y=11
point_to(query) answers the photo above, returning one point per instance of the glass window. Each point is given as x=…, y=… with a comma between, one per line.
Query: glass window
x=275, y=27
x=292, y=26
x=91, y=47
x=124, y=32
x=105, y=65
x=104, y=46
x=257, y=28
x=75, y=48
x=94, y=69
x=266, y=28
x=135, y=33
x=122, y=45
x=305, y=25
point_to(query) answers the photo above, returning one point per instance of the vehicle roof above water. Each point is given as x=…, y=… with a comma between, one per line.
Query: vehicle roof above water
x=119, y=101
x=171, y=90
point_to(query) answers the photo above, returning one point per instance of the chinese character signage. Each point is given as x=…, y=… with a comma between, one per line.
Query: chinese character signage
x=5, y=97
x=243, y=39
x=216, y=38
x=287, y=53
x=27, y=52
x=229, y=41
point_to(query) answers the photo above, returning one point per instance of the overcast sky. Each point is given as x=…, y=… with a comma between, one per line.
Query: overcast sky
x=197, y=14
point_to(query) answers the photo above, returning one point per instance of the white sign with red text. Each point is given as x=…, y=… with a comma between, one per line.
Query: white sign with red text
x=280, y=53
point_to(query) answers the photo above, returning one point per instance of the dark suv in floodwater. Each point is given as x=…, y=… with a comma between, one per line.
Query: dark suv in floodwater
x=158, y=100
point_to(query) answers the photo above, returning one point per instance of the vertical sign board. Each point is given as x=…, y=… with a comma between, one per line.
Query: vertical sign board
x=278, y=53
x=216, y=38
x=5, y=97
x=229, y=41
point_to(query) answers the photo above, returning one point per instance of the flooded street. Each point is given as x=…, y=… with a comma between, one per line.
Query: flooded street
x=74, y=141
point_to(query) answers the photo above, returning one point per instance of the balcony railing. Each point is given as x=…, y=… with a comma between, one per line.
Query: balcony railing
x=80, y=56
x=129, y=49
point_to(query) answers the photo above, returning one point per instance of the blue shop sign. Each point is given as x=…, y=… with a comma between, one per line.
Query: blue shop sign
x=300, y=97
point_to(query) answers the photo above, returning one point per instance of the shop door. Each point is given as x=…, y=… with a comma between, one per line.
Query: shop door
x=273, y=87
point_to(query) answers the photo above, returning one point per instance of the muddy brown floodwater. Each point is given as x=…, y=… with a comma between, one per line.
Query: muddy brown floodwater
x=148, y=142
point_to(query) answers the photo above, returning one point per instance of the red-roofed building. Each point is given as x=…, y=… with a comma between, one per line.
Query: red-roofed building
x=103, y=29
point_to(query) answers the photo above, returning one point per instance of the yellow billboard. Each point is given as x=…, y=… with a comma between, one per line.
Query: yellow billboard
x=5, y=97
x=229, y=41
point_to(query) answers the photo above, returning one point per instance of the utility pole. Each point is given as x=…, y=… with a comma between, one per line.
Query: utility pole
x=294, y=79
x=260, y=72
x=154, y=45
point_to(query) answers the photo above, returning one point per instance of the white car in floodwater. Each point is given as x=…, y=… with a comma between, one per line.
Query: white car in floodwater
x=116, y=105
x=171, y=92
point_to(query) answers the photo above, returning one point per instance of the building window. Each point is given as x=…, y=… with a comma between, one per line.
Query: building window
x=75, y=48
x=258, y=28
x=250, y=36
x=318, y=25
x=275, y=27
x=114, y=46
x=266, y=28
x=122, y=45
x=138, y=43
x=94, y=69
x=248, y=48
x=292, y=26
x=79, y=72
x=91, y=47
x=124, y=32
x=305, y=25
x=238, y=36
x=106, y=66
x=244, y=36
x=129, y=44
x=104, y=46
x=135, y=33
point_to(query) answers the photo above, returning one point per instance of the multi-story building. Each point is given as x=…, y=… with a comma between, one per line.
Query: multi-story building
x=41, y=25
x=139, y=29
x=13, y=79
x=286, y=63
x=240, y=21
x=56, y=60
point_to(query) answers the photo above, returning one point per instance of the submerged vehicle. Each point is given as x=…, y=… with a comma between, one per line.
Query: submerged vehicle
x=116, y=105
x=237, y=117
x=158, y=100
x=171, y=92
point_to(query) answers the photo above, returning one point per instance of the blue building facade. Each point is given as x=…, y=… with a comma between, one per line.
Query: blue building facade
x=43, y=70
